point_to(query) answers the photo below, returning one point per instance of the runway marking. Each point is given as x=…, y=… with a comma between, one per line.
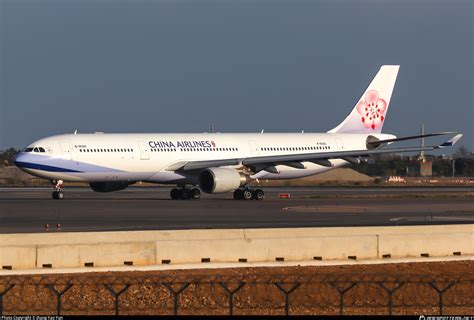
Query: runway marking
x=328, y=209
x=429, y=217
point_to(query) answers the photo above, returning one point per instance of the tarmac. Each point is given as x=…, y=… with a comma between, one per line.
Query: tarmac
x=31, y=209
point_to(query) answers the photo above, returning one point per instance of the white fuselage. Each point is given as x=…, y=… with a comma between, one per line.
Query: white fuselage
x=155, y=157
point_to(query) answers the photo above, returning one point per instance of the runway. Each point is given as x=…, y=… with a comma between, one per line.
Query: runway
x=30, y=209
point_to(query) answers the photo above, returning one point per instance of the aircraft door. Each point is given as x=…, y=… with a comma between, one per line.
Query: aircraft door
x=254, y=150
x=65, y=149
x=144, y=150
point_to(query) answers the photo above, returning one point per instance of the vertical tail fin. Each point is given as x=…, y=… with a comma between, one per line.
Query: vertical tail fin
x=368, y=115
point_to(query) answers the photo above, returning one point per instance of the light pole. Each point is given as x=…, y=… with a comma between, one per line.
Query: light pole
x=454, y=161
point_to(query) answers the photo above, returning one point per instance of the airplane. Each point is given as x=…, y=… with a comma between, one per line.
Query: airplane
x=219, y=162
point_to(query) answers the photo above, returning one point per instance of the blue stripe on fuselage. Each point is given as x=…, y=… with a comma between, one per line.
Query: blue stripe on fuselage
x=54, y=164
x=42, y=167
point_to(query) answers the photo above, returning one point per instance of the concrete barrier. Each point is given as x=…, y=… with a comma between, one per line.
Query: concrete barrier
x=416, y=245
x=19, y=257
x=268, y=249
x=97, y=255
x=101, y=249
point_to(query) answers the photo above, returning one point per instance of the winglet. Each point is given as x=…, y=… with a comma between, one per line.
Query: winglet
x=451, y=142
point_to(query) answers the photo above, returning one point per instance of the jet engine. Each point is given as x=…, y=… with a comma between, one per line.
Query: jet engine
x=109, y=186
x=216, y=180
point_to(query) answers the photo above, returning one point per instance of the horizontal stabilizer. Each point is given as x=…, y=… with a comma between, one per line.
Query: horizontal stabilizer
x=378, y=142
x=451, y=142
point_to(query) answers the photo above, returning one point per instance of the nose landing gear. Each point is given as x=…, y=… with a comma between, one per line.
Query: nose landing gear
x=57, y=193
x=249, y=194
x=185, y=193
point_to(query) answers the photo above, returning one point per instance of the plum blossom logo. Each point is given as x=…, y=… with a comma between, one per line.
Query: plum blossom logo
x=372, y=110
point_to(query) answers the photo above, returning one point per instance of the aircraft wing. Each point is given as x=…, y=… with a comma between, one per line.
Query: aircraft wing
x=268, y=163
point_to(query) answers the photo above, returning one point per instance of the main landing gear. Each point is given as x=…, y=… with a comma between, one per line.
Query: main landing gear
x=249, y=194
x=57, y=193
x=185, y=193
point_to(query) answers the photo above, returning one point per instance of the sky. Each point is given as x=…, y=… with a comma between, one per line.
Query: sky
x=180, y=65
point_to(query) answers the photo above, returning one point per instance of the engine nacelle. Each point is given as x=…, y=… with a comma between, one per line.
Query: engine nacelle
x=216, y=180
x=108, y=186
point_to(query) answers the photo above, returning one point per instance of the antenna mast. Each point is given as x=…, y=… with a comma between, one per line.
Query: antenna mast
x=421, y=157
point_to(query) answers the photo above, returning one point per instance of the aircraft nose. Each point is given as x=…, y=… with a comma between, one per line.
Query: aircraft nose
x=19, y=159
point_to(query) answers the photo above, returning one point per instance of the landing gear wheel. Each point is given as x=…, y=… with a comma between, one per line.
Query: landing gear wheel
x=258, y=194
x=185, y=194
x=238, y=194
x=247, y=194
x=58, y=195
x=175, y=193
x=195, y=193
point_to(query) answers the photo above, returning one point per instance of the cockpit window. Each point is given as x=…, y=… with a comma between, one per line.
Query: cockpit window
x=35, y=149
